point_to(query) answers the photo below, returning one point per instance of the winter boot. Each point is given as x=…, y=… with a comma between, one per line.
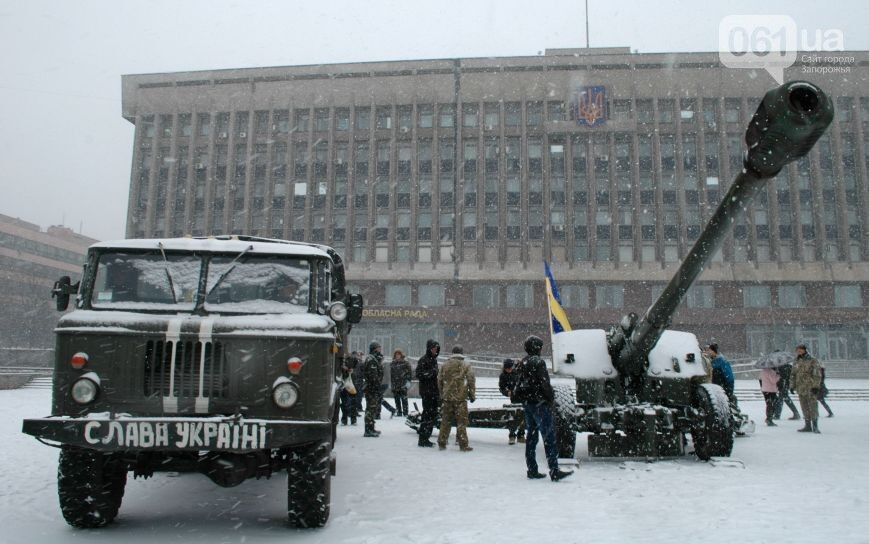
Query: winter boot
x=466, y=448
x=535, y=475
x=521, y=439
x=371, y=433
x=807, y=428
x=559, y=474
x=425, y=444
x=769, y=423
x=815, y=427
x=512, y=440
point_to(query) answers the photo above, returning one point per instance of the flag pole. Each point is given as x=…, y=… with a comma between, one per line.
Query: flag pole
x=549, y=297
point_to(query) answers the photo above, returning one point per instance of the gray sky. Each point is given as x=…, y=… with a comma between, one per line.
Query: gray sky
x=65, y=151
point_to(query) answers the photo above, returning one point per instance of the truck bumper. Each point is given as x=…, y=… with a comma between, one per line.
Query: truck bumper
x=232, y=434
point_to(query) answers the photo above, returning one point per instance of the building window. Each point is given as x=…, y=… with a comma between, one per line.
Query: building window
x=342, y=119
x=426, y=115
x=470, y=115
x=534, y=114
x=398, y=295
x=492, y=115
x=321, y=120
x=363, y=118
x=756, y=296
x=384, y=118
x=792, y=296
x=485, y=296
x=512, y=114
x=574, y=296
x=301, y=120
x=848, y=296
x=432, y=295
x=446, y=116
x=519, y=296
x=700, y=296
x=609, y=296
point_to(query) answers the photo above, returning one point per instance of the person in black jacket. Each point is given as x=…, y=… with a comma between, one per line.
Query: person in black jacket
x=427, y=374
x=784, y=385
x=537, y=396
x=373, y=372
x=399, y=377
x=506, y=384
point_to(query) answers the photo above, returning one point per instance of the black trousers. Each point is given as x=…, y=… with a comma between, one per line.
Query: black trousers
x=770, y=400
x=430, y=404
x=400, y=404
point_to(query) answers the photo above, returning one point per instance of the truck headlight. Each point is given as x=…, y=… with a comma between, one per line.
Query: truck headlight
x=285, y=395
x=338, y=311
x=84, y=391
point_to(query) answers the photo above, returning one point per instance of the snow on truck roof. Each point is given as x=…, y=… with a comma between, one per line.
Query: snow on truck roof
x=221, y=244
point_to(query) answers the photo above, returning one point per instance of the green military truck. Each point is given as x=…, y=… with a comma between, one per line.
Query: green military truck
x=218, y=355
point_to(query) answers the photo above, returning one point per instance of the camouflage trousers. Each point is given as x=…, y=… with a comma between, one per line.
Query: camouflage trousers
x=809, y=404
x=372, y=408
x=458, y=412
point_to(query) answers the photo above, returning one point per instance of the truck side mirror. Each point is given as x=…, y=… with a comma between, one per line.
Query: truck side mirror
x=354, y=309
x=61, y=291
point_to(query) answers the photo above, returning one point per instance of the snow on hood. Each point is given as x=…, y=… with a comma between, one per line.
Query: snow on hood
x=130, y=322
x=214, y=245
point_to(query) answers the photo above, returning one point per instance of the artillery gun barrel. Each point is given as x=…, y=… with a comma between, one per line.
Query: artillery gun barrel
x=786, y=125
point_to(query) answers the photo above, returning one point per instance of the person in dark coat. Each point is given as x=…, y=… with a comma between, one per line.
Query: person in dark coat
x=784, y=386
x=373, y=371
x=399, y=377
x=427, y=374
x=358, y=381
x=822, y=392
x=506, y=384
x=535, y=392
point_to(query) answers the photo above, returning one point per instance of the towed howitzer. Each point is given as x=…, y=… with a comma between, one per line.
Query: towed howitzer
x=639, y=386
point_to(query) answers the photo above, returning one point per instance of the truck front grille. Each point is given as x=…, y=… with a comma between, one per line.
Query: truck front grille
x=196, y=373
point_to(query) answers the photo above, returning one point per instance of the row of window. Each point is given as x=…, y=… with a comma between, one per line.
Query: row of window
x=473, y=115
x=612, y=296
x=26, y=245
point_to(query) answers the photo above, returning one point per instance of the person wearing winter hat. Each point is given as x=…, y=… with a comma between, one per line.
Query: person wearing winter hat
x=506, y=384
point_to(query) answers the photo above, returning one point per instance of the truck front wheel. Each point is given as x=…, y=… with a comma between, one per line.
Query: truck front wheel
x=90, y=486
x=308, y=483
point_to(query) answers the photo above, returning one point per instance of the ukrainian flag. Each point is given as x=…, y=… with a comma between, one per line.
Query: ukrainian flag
x=556, y=312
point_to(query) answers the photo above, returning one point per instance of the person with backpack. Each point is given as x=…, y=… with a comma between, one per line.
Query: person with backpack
x=506, y=384
x=535, y=392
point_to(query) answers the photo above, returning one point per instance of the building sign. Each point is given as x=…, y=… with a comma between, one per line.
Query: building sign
x=395, y=313
x=588, y=105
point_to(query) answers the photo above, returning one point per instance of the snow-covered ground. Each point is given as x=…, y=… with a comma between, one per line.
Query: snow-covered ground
x=793, y=487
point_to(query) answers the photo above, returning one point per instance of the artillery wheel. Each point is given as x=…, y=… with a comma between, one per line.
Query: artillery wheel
x=308, y=485
x=90, y=486
x=713, y=431
x=565, y=421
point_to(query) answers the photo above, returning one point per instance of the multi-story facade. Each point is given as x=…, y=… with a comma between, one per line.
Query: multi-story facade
x=31, y=259
x=447, y=183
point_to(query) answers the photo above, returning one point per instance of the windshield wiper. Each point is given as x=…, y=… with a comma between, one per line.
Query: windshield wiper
x=168, y=273
x=228, y=270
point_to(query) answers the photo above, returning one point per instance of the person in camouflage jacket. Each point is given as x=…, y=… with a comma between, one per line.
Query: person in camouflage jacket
x=457, y=385
x=806, y=380
x=372, y=369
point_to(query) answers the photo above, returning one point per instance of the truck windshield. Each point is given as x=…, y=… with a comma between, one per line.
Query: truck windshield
x=146, y=281
x=258, y=284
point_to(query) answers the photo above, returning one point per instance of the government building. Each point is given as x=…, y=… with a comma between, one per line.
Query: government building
x=446, y=184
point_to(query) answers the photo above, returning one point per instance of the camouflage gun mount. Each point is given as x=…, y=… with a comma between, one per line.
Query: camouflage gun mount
x=640, y=388
x=212, y=355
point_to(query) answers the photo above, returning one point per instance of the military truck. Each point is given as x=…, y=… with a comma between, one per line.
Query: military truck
x=640, y=388
x=214, y=355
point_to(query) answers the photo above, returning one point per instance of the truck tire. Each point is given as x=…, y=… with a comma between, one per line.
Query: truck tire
x=308, y=483
x=712, y=432
x=565, y=421
x=90, y=486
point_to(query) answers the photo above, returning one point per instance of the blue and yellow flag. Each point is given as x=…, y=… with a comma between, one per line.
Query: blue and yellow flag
x=556, y=312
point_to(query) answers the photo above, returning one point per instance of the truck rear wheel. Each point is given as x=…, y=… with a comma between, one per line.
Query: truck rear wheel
x=713, y=431
x=90, y=486
x=308, y=484
x=565, y=421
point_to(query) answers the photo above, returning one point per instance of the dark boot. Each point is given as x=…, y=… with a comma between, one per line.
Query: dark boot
x=535, y=475
x=425, y=444
x=807, y=428
x=769, y=423
x=559, y=474
x=815, y=427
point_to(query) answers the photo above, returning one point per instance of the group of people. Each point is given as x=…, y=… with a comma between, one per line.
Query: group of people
x=446, y=391
x=807, y=378
x=357, y=371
